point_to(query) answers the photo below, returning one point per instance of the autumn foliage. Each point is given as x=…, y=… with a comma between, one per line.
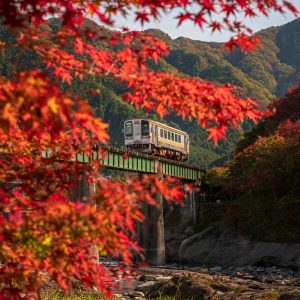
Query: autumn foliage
x=43, y=233
x=267, y=161
x=271, y=165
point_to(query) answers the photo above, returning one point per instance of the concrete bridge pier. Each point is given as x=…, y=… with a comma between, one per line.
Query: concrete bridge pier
x=151, y=233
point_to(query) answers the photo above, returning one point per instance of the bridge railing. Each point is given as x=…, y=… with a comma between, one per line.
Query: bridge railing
x=115, y=158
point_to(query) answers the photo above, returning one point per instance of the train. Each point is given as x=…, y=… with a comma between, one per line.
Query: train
x=155, y=138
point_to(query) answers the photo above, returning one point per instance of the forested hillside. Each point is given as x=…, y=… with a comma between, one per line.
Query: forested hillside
x=263, y=75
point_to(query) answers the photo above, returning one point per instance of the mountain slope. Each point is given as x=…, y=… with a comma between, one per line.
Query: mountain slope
x=277, y=65
x=263, y=75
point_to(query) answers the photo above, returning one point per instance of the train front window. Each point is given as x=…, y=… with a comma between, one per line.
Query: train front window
x=128, y=129
x=145, y=128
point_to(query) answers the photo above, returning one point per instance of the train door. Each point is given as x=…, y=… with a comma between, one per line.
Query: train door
x=137, y=131
x=186, y=144
x=154, y=131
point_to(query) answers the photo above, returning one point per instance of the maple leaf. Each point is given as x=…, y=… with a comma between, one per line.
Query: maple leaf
x=249, y=12
x=215, y=134
x=291, y=8
x=142, y=16
x=215, y=26
x=199, y=20
x=208, y=5
x=228, y=9
x=183, y=17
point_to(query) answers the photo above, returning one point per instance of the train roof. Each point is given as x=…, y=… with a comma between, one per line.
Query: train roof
x=162, y=125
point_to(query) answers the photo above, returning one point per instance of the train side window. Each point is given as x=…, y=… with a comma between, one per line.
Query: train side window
x=179, y=139
x=172, y=136
x=161, y=132
x=169, y=135
x=165, y=134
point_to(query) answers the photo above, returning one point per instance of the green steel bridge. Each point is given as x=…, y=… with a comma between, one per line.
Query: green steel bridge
x=115, y=158
x=151, y=231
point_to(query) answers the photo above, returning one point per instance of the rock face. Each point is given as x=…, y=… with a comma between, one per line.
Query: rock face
x=228, y=248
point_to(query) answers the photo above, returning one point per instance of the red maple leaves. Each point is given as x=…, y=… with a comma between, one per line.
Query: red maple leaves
x=213, y=107
x=32, y=106
x=201, y=13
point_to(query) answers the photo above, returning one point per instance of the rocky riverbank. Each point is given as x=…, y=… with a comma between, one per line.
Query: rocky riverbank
x=200, y=282
x=217, y=264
